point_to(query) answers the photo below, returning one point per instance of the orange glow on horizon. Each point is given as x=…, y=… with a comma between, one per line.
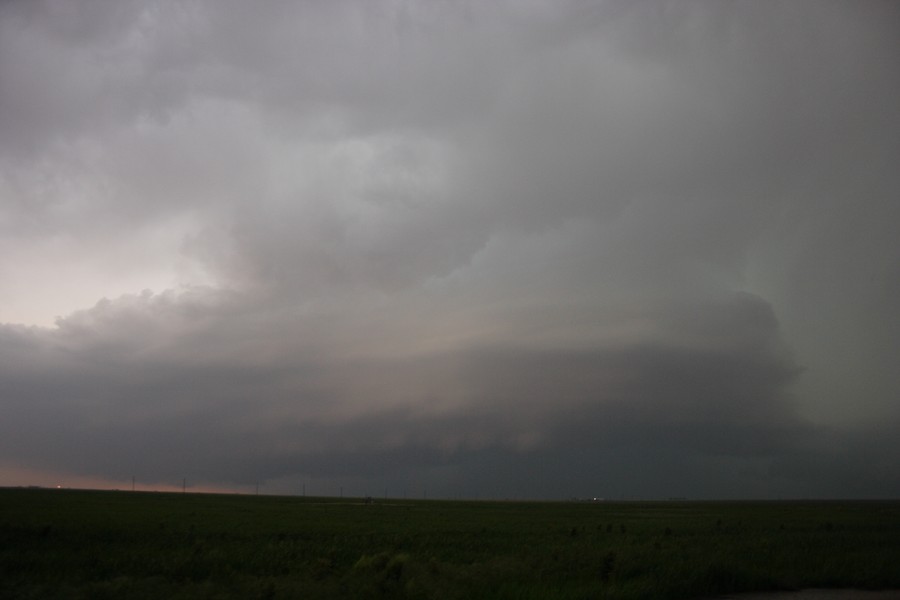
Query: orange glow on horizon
x=15, y=476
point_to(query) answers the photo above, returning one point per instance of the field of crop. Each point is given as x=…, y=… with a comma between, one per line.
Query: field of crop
x=104, y=544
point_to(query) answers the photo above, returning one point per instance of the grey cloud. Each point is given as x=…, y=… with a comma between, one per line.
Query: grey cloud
x=641, y=245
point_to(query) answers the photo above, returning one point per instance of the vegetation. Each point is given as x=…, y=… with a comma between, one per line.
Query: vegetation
x=95, y=544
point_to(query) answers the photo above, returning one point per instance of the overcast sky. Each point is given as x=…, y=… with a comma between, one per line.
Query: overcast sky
x=531, y=248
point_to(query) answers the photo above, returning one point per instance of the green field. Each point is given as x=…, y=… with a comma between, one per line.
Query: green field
x=103, y=544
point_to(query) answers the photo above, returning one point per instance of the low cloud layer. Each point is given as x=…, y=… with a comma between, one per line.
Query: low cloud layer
x=519, y=249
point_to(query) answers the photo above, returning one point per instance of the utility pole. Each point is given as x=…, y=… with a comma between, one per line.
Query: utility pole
x=132, y=483
x=184, y=486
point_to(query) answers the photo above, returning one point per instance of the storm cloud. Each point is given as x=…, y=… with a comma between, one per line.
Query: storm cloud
x=516, y=249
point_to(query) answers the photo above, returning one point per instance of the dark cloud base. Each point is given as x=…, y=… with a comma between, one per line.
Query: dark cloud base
x=709, y=416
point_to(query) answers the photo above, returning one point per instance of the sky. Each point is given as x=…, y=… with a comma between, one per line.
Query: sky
x=513, y=249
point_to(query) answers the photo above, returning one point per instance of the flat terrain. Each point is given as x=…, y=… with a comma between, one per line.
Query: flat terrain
x=104, y=544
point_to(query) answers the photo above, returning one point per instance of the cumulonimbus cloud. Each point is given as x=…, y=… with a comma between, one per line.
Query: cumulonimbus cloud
x=484, y=243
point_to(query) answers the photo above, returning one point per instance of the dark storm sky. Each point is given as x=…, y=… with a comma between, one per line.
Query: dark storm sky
x=494, y=249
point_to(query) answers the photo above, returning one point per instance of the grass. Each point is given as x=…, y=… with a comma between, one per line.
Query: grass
x=96, y=544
